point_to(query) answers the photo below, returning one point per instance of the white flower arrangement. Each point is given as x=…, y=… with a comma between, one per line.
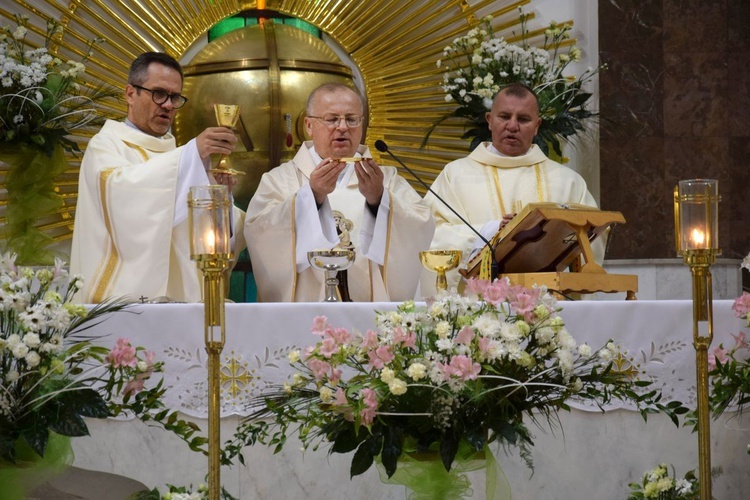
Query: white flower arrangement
x=477, y=65
x=657, y=483
x=42, y=98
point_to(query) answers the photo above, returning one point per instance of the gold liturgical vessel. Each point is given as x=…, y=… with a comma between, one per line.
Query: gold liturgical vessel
x=226, y=116
x=440, y=262
x=696, y=214
x=208, y=213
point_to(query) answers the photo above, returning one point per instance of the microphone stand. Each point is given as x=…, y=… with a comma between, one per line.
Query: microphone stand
x=495, y=266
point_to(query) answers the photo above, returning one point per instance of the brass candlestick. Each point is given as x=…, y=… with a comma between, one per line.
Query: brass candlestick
x=226, y=116
x=696, y=239
x=209, y=247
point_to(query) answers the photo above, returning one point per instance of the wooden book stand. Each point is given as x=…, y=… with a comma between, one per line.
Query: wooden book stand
x=545, y=239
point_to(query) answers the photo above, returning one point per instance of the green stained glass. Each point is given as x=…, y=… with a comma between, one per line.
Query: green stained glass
x=225, y=26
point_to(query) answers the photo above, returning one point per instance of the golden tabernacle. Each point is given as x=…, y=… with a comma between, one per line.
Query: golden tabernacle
x=544, y=240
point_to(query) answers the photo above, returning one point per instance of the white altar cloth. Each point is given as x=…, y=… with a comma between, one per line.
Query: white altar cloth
x=593, y=454
x=654, y=340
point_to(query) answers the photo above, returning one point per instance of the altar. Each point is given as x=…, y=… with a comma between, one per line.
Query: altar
x=591, y=454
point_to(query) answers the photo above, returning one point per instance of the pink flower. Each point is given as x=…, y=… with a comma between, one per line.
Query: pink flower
x=497, y=292
x=475, y=286
x=318, y=368
x=741, y=306
x=463, y=368
x=371, y=340
x=122, y=355
x=371, y=406
x=407, y=339
x=465, y=336
x=718, y=354
x=319, y=325
x=381, y=356
x=740, y=342
x=339, y=398
x=328, y=347
x=335, y=376
x=341, y=335
x=524, y=302
x=134, y=386
x=484, y=344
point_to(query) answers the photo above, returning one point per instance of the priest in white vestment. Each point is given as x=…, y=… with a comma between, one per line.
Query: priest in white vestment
x=498, y=179
x=131, y=232
x=325, y=198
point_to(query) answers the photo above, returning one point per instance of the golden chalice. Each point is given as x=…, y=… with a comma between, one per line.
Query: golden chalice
x=226, y=116
x=331, y=261
x=440, y=261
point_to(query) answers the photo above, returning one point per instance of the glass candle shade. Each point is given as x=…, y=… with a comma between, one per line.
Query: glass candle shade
x=208, y=216
x=697, y=215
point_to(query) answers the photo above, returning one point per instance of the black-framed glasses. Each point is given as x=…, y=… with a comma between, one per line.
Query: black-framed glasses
x=160, y=97
x=333, y=121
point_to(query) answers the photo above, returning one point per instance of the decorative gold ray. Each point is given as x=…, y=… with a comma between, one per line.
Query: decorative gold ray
x=394, y=43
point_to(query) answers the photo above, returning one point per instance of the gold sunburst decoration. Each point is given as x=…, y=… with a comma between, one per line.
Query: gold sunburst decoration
x=395, y=45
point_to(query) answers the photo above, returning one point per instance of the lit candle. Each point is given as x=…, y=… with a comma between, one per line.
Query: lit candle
x=698, y=237
x=210, y=240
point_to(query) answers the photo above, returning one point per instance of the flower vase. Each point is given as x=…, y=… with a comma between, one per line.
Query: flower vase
x=29, y=471
x=30, y=184
x=425, y=478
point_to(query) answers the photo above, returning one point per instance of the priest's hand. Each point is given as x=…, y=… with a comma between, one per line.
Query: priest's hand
x=370, y=177
x=225, y=179
x=323, y=178
x=215, y=140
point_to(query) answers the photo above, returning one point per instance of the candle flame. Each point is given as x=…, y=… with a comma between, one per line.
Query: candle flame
x=210, y=241
x=698, y=237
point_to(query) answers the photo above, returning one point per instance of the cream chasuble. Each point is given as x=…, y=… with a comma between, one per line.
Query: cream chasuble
x=403, y=227
x=129, y=239
x=484, y=186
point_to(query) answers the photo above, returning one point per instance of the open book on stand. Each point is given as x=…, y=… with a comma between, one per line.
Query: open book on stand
x=545, y=240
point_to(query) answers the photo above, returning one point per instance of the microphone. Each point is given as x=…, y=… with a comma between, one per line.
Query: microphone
x=495, y=269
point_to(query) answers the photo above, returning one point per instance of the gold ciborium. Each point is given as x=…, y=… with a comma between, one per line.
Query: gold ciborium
x=440, y=261
x=331, y=261
x=226, y=116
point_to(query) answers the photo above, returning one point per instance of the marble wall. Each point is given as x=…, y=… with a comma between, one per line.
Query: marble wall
x=675, y=104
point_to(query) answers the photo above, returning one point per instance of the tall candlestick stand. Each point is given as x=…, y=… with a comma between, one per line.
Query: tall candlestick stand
x=696, y=239
x=209, y=247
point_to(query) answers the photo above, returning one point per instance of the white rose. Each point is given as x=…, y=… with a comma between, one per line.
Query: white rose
x=397, y=386
x=32, y=359
x=387, y=375
x=142, y=366
x=32, y=340
x=293, y=356
x=11, y=376
x=20, y=350
x=417, y=371
x=326, y=395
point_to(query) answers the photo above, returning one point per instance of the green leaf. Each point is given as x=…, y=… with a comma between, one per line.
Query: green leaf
x=365, y=455
x=448, y=449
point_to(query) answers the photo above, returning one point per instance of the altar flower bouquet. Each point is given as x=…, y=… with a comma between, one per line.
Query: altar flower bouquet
x=455, y=375
x=43, y=99
x=52, y=374
x=478, y=64
x=658, y=484
x=729, y=369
